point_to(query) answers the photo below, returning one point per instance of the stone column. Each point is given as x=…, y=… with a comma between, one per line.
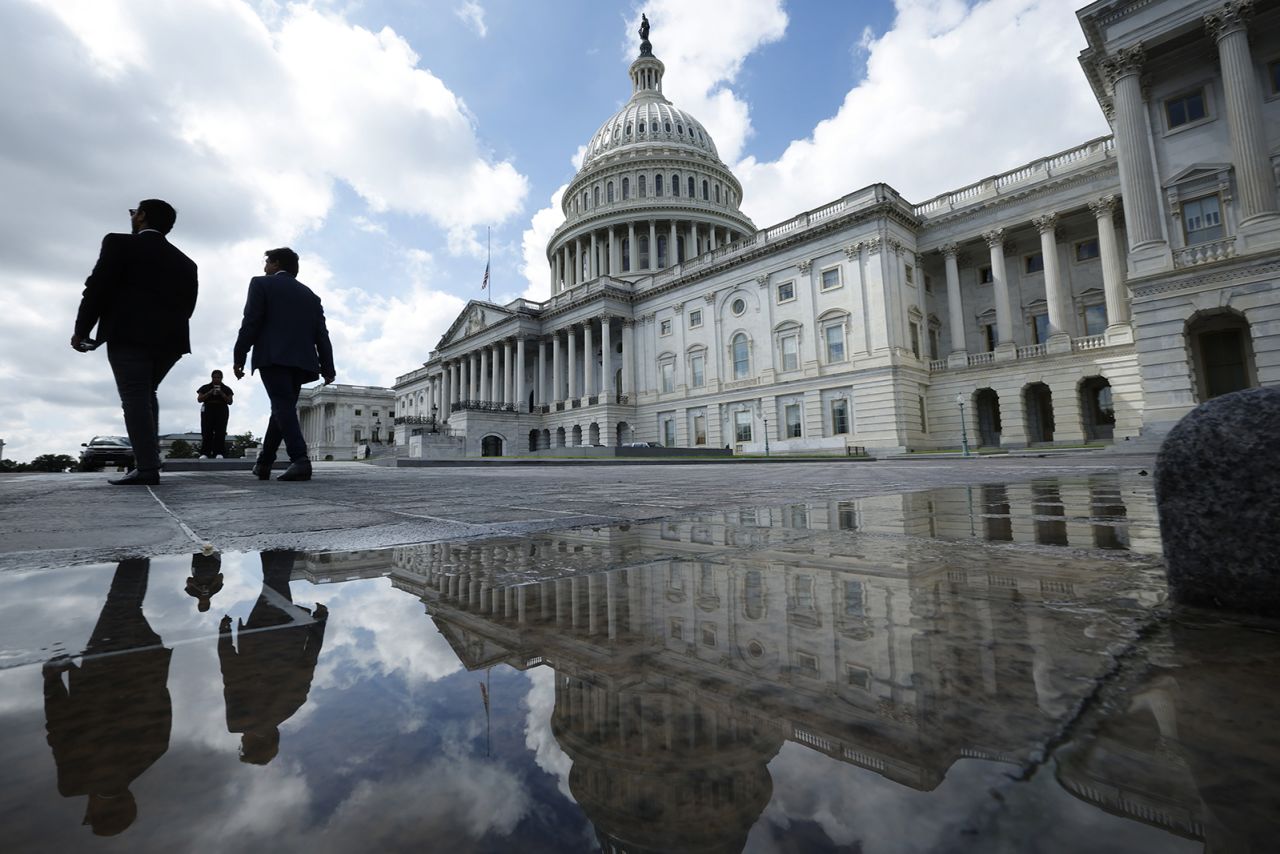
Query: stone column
x=509, y=374
x=614, y=266
x=594, y=260
x=1118, y=329
x=673, y=257
x=1255, y=179
x=588, y=361
x=711, y=242
x=519, y=392
x=554, y=277
x=691, y=242
x=446, y=391
x=1000, y=283
x=955, y=308
x=540, y=382
x=631, y=247
x=571, y=338
x=628, y=356
x=473, y=386
x=653, y=245
x=580, y=271
x=606, y=361
x=485, y=387
x=457, y=381
x=1059, y=336
x=564, y=267
x=557, y=364
x=1137, y=173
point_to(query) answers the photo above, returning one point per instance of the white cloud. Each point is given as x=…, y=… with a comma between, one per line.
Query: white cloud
x=471, y=13
x=534, y=245
x=940, y=107
x=247, y=119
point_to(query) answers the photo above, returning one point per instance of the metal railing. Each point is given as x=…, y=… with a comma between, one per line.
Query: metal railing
x=481, y=406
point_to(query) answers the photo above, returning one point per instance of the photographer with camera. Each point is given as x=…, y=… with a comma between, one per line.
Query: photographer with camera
x=215, y=400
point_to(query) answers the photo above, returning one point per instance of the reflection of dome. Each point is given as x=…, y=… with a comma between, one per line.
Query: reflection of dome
x=660, y=772
x=650, y=175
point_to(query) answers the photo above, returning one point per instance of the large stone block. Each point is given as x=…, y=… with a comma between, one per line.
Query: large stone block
x=1218, y=490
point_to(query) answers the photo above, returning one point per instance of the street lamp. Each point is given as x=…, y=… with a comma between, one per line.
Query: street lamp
x=766, y=436
x=964, y=428
x=434, y=410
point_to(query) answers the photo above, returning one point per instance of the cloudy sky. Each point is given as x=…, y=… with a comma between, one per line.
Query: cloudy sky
x=382, y=138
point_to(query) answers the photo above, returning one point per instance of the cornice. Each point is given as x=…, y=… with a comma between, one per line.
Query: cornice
x=1229, y=271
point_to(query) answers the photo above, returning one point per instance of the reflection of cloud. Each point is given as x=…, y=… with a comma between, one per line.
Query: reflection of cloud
x=541, y=700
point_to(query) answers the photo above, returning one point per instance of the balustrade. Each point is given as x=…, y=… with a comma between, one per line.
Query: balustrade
x=1205, y=253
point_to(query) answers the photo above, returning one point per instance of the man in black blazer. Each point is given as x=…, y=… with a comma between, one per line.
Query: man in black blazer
x=284, y=324
x=141, y=295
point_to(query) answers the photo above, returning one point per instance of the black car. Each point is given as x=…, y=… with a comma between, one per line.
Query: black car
x=106, y=450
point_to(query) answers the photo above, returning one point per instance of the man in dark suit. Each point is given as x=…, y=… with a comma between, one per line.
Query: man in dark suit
x=140, y=295
x=284, y=324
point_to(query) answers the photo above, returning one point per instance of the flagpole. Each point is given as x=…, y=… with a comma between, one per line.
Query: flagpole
x=488, y=254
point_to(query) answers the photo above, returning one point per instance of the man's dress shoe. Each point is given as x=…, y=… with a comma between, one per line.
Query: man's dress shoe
x=262, y=469
x=301, y=470
x=137, y=478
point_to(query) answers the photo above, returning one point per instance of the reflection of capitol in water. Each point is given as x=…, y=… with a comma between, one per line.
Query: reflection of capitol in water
x=881, y=632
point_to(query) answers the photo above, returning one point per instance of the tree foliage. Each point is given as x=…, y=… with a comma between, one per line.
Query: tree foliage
x=181, y=450
x=53, y=462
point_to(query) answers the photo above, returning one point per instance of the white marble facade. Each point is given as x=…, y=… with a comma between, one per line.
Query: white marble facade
x=339, y=421
x=1096, y=294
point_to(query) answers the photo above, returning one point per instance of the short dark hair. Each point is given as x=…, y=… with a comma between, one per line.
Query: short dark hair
x=160, y=214
x=285, y=257
x=216, y=373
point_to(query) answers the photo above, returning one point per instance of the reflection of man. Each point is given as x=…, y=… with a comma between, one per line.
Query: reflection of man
x=206, y=578
x=266, y=680
x=110, y=722
x=215, y=401
x=140, y=295
x=284, y=325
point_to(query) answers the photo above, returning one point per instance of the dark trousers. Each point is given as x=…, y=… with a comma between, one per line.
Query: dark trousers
x=138, y=372
x=213, y=430
x=283, y=384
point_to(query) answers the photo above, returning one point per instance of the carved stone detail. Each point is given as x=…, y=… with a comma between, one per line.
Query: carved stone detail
x=949, y=250
x=1105, y=205
x=804, y=267
x=1124, y=62
x=1230, y=17
x=1045, y=222
x=994, y=238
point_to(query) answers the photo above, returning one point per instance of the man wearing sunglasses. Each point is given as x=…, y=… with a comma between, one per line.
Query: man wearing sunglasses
x=140, y=295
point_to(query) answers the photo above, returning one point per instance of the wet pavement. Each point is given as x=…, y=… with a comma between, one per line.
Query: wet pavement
x=988, y=666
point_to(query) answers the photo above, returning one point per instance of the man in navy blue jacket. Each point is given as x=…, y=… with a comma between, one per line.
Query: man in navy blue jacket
x=284, y=325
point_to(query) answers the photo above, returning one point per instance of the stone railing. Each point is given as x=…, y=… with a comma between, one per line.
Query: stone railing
x=1092, y=342
x=937, y=365
x=415, y=419
x=1205, y=253
x=1032, y=351
x=481, y=406
x=981, y=358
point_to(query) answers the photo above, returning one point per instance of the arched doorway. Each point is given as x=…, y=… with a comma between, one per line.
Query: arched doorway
x=491, y=446
x=624, y=432
x=534, y=435
x=593, y=434
x=1221, y=353
x=1097, y=409
x=577, y=435
x=987, y=404
x=546, y=438
x=559, y=437
x=1037, y=403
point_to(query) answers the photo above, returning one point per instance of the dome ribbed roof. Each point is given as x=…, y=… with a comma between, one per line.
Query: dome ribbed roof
x=649, y=119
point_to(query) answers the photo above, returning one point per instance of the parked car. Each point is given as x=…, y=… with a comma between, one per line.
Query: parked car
x=106, y=450
x=642, y=444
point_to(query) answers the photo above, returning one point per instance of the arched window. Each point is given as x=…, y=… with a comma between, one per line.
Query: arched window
x=717, y=194
x=657, y=185
x=639, y=127
x=626, y=189
x=628, y=128
x=706, y=191
x=679, y=128
x=586, y=200
x=597, y=197
x=668, y=127
x=653, y=126
x=640, y=187
x=741, y=357
x=675, y=185
x=692, y=188
x=608, y=192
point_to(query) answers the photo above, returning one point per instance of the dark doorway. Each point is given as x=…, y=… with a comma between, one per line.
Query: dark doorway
x=987, y=404
x=491, y=446
x=1037, y=403
x=1221, y=354
x=1097, y=409
x=533, y=439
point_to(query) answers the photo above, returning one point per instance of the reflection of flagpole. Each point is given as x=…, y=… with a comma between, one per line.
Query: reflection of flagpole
x=484, y=695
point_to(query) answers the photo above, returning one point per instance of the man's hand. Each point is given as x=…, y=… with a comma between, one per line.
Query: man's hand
x=224, y=625
x=328, y=379
x=239, y=371
x=76, y=341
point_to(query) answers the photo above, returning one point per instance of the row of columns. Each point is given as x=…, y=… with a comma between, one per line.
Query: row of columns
x=1250, y=157
x=600, y=252
x=1056, y=296
x=497, y=373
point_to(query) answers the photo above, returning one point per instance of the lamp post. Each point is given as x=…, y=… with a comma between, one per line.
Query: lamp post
x=766, y=435
x=435, y=428
x=964, y=428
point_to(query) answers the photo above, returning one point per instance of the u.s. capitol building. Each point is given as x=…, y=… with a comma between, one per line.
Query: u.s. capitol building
x=1093, y=295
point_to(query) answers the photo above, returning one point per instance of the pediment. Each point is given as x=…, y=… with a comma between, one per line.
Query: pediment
x=476, y=317
x=1198, y=171
x=474, y=651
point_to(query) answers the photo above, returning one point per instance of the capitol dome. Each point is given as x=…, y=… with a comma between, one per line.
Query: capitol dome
x=652, y=192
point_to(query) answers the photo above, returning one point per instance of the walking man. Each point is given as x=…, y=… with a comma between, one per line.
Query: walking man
x=140, y=295
x=215, y=402
x=284, y=325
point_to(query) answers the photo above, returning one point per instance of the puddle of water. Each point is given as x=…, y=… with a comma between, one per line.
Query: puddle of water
x=884, y=674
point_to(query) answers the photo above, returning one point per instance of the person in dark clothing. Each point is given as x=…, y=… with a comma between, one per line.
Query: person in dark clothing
x=110, y=721
x=206, y=578
x=140, y=295
x=215, y=399
x=284, y=324
x=266, y=680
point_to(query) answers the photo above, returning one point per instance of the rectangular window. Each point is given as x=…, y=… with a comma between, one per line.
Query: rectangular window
x=1040, y=328
x=1034, y=263
x=699, y=429
x=695, y=318
x=667, y=370
x=697, y=370
x=357, y=412
x=915, y=339
x=853, y=599
x=1202, y=219
x=677, y=629
x=831, y=279
x=909, y=273
x=857, y=677
x=1185, y=109
x=669, y=433
x=807, y=664
x=933, y=343
x=792, y=414
x=790, y=352
x=834, y=337
x=708, y=634
x=1087, y=249
x=804, y=591
x=839, y=417
x=989, y=331
x=664, y=327
x=786, y=291
x=924, y=416
x=847, y=516
x=985, y=276
x=742, y=426
x=1095, y=319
